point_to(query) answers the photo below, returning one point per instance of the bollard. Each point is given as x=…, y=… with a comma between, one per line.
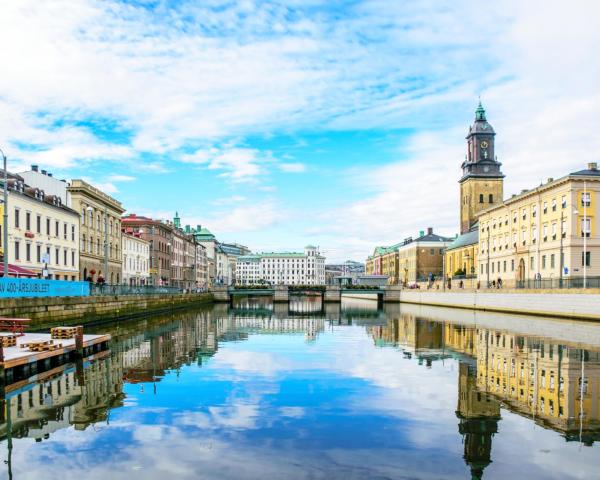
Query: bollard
x=79, y=340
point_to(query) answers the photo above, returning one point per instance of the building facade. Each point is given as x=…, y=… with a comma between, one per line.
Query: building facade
x=410, y=261
x=158, y=235
x=550, y=232
x=43, y=233
x=136, y=259
x=285, y=268
x=100, y=233
x=422, y=259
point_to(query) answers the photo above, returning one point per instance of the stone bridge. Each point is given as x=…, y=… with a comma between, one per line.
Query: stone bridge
x=331, y=294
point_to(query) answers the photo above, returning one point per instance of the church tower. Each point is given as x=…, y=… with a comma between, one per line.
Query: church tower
x=481, y=185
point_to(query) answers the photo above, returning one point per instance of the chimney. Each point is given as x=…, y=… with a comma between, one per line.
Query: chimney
x=593, y=166
x=421, y=233
x=44, y=172
x=34, y=168
x=429, y=230
x=550, y=179
x=49, y=174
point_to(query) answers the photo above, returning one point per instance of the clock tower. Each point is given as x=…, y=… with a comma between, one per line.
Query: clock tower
x=481, y=185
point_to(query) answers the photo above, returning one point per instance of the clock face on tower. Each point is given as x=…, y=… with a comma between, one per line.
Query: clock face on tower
x=484, y=144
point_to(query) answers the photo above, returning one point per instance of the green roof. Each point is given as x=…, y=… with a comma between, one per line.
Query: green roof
x=205, y=232
x=248, y=258
x=469, y=238
x=282, y=254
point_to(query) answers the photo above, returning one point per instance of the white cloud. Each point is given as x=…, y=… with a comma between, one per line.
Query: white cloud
x=121, y=178
x=237, y=164
x=106, y=187
x=292, y=167
x=233, y=199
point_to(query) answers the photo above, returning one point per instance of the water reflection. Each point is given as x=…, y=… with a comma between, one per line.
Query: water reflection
x=206, y=376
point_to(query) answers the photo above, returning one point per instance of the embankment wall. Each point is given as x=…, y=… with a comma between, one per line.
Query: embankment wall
x=64, y=310
x=585, y=306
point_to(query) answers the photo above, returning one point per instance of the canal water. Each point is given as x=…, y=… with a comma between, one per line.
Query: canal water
x=303, y=391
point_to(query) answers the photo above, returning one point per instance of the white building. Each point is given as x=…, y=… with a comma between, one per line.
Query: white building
x=43, y=233
x=47, y=182
x=136, y=260
x=284, y=268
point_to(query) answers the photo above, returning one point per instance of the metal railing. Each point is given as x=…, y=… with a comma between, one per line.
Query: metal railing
x=558, y=283
x=105, y=289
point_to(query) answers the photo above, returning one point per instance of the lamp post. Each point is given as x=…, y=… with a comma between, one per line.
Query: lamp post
x=585, y=233
x=488, y=256
x=105, y=243
x=5, y=217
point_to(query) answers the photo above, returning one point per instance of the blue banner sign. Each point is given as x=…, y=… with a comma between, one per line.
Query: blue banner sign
x=33, y=287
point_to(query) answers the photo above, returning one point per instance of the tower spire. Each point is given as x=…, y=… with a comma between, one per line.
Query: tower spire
x=480, y=112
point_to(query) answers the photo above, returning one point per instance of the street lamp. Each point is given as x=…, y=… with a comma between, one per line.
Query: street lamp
x=584, y=232
x=5, y=216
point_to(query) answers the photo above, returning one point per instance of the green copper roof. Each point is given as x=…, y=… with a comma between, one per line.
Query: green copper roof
x=469, y=238
x=205, y=232
x=480, y=112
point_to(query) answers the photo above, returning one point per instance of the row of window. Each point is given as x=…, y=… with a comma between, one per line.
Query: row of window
x=547, y=261
x=97, y=247
x=53, y=256
x=88, y=212
x=56, y=231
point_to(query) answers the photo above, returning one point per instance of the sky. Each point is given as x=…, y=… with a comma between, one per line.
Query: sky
x=276, y=124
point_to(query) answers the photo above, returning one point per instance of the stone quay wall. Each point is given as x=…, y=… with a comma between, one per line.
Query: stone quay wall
x=576, y=305
x=68, y=310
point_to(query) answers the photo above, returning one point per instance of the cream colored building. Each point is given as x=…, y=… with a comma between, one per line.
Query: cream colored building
x=541, y=233
x=136, y=260
x=42, y=232
x=100, y=230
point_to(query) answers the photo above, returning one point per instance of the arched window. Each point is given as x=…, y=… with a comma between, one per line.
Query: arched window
x=481, y=198
x=491, y=198
x=83, y=245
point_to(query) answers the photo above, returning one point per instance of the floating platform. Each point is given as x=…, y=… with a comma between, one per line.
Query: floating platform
x=21, y=355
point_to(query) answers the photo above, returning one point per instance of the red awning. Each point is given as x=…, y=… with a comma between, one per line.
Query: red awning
x=16, y=271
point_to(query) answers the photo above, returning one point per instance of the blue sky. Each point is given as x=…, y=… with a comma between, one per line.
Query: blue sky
x=277, y=124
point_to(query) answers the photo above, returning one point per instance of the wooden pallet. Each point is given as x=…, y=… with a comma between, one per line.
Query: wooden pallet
x=35, y=343
x=45, y=347
x=63, y=332
x=8, y=340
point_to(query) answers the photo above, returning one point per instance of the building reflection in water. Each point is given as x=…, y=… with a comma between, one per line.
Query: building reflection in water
x=556, y=385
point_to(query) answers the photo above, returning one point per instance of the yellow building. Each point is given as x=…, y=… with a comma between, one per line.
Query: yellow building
x=481, y=186
x=541, y=234
x=461, y=255
x=100, y=232
x=384, y=261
